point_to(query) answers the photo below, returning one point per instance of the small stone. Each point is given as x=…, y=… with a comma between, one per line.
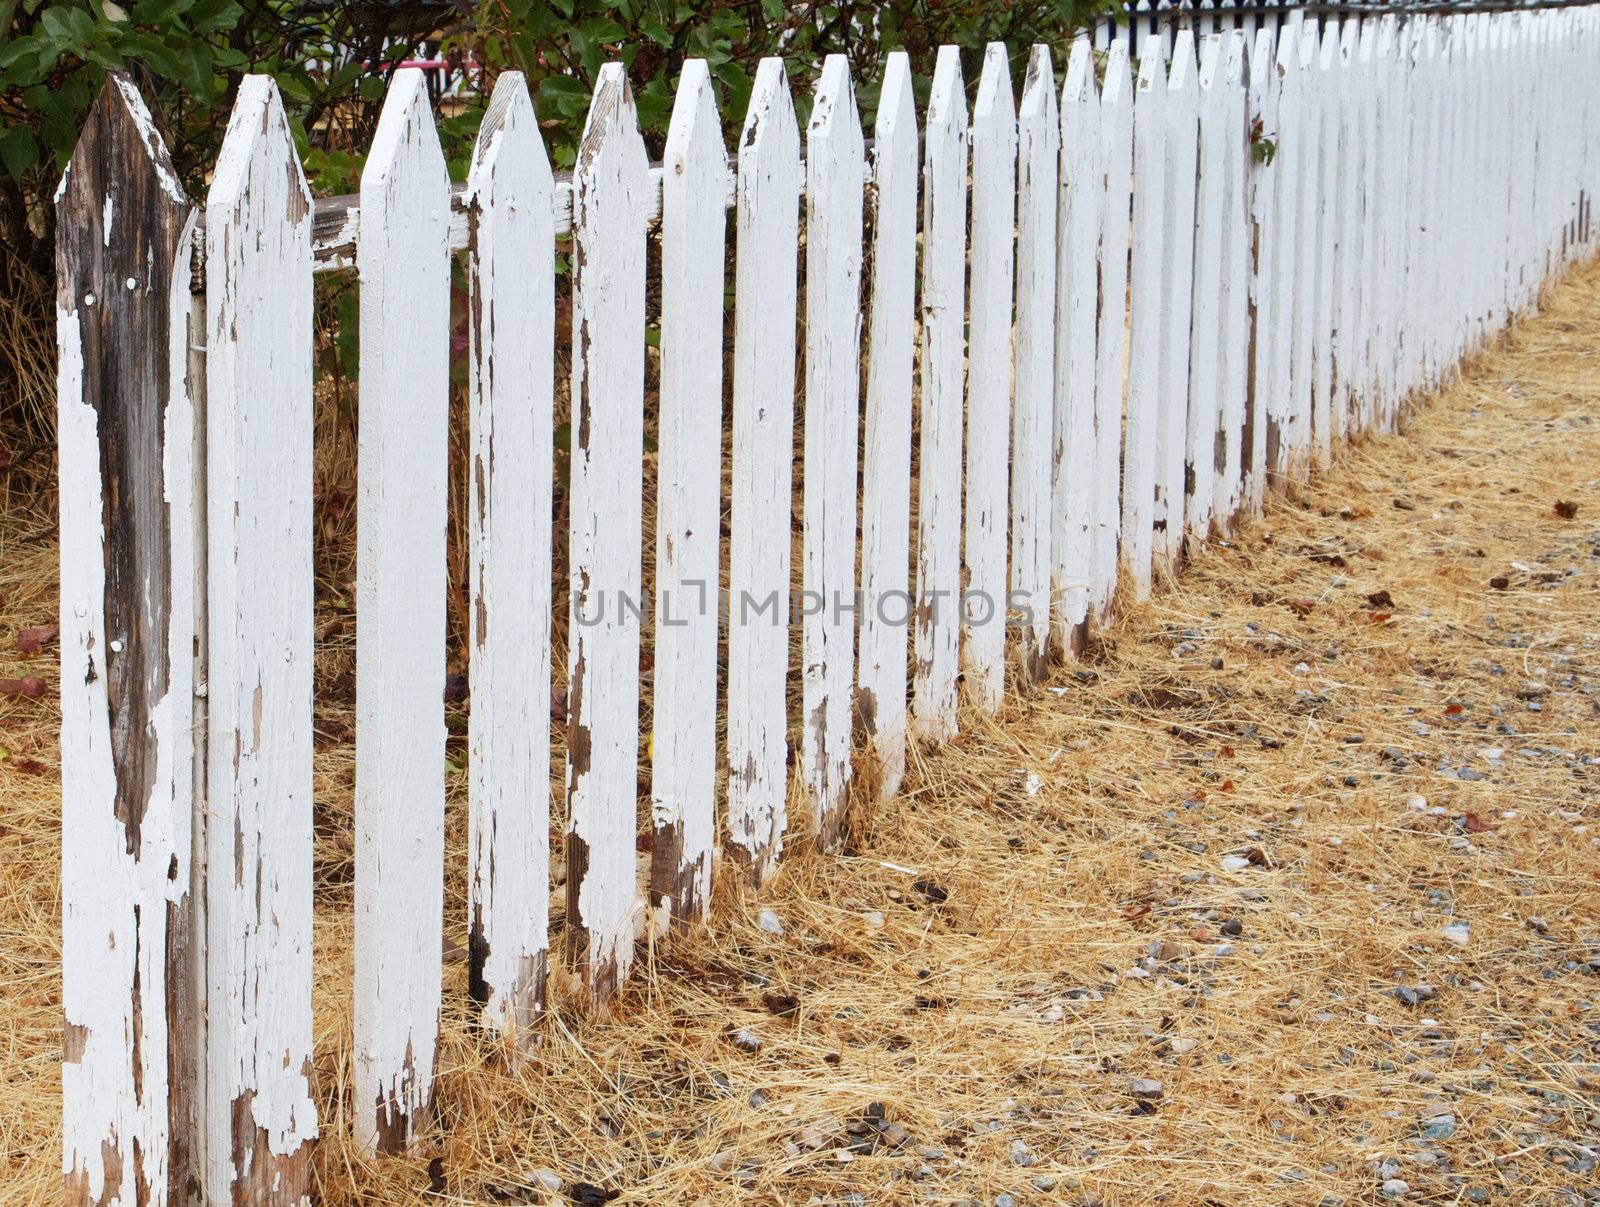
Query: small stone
x=1232, y=927
x=769, y=922
x=746, y=1040
x=1005, y=1200
x=894, y=1134
x=1184, y=1044
x=843, y=1156
x=1439, y=1127
x=1044, y=1182
x=922, y=1173
x=1022, y=1155
x=1395, y=1188
x=1459, y=933
x=1354, y=739
x=1147, y=1089
x=549, y=1179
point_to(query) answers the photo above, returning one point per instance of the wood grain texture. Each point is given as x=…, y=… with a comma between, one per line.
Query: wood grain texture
x=260, y=1116
x=400, y=624
x=881, y=676
x=984, y=603
x=1347, y=263
x=943, y=308
x=835, y=179
x=765, y=300
x=605, y=535
x=1082, y=198
x=1303, y=253
x=1116, y=164
x=1147, y=357
x=683, y=780
x=128, y=524
x=511, y=376
x=1177, y=315
x=1282, y=237
x=1033, y=410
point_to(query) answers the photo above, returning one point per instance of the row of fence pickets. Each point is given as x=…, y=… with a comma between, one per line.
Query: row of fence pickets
x=1308, y=228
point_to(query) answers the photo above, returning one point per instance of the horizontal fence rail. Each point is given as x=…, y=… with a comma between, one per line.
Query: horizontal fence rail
x=927, y=404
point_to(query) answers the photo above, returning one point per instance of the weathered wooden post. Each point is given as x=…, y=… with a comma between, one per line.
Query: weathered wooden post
x=129, y=538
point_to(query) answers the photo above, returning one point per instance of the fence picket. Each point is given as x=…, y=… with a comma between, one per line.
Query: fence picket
x=1234, y=341
x=683, y=780
x=1082, y=197
x=989, y=380
x=1261, y=183
x=125, y=426
x=400, y=618
x=1209, y=298
x=510, y=281
x=608, y=235
x=260, y=1117
x=834, y=184
x=1181, y=133
x=1326, y=90
x=943, y=308
x=1346, y=274
x=1146, y=307
x=1038, y=156
x=886, y=465
x=1303, y=241
x=765, y=300
x=1285, y=269
x=1116, y=161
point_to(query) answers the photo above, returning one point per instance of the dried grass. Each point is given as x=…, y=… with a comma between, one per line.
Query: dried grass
x=969, y=962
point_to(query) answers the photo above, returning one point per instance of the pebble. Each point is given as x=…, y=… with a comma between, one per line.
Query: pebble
x=746, y=1040
x=1022, y=1155
x=1459, y=933
x=1147, y=1089
x=769, y=922
x=1394, y=1188
x=1184, y=1044
x=1233, y=928
x=1044, y=1182
x=894, y=1134
x=1005, y=1200
x=549, y=1179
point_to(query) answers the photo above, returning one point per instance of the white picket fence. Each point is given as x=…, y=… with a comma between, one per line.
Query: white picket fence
x=1309, y=228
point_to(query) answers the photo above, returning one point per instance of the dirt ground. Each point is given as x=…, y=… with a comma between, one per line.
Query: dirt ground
x=1287, y=894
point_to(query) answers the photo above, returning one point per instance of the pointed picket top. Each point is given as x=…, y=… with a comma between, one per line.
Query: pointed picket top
x=405, y=128
x=943, y=304
x=1151, y=82
x=1210, y=58
x=995, y=104
x=694, y=188
x=1183, y=71
x=1078, y=88
x=1038, y=85
x=694, y=134
x=1116, y=85
x=509, y=139
x=124, y=232
x=835, y=121
x=1328, y=45
x=510, y=253
x=261, y=1118
x=770, y=126
x=886, y=462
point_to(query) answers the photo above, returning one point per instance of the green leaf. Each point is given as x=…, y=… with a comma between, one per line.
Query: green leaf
x=18, y=150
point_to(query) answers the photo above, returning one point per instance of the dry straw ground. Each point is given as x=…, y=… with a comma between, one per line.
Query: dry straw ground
x=1311, y=842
